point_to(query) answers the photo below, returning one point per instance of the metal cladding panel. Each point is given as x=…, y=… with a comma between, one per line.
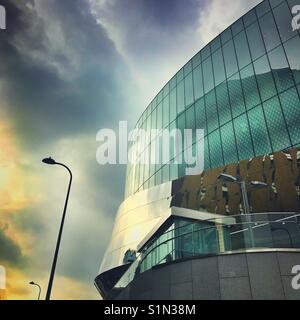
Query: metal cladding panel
x=136, y=217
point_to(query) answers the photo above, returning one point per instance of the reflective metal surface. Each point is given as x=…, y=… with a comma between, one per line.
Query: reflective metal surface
x=136, y=216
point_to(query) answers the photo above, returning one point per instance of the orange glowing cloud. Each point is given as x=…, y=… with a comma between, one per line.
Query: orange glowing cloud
x=16, y=186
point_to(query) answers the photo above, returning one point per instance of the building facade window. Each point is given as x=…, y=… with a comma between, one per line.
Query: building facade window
x=242, y=89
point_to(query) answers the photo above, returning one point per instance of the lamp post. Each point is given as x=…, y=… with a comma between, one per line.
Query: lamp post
x=254, y=185
x=39, y=287
x=51, y=161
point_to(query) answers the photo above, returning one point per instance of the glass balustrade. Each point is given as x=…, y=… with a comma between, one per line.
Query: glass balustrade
x=187, y=239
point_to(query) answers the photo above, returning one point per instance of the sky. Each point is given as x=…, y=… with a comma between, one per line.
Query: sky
x=68, y=69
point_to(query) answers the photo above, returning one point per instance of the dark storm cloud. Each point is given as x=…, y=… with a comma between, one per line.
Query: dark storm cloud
x=10, y=251
x=45, y=105
x=166, y=15
x=153, y=26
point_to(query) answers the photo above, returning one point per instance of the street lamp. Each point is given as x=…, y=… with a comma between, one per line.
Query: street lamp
x=39, y=287
x=51, y=161
x=254, y=185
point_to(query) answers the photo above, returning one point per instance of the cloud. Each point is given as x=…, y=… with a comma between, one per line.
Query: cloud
x=60, y=69
x=155, y=38
x=10, y=251
x=218, y=15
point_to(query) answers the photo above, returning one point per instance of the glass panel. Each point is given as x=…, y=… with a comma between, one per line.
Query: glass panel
x=198, y=82
x=291, y=107
x=236, y=95
x=211, y=111
x=149, y=123
x=292, y=48
x=283, y=18
x=243, y=138
x=181, y=125
x=276, y=124
x=216, y=156
x=226, y=35
x=166, y=174
x=280, y=68
x=190, y=118
x=293, y=3
x=180, y=97
x=269, y=31
x=205, y=52
x=259, y=131
x=191, y=121
x=166, y=111
x=208, y=75
x=229, y=144
x=173, y=83
x=237, y=27
x=187, y=68
x=189, y=90
x=200, y=115
x=218, y=65
x=242, y=50
x=263, y=8
x=159, y=97
x=255, y=41
x=249, y=84
x=230, y=59
x=196, y=60
x=275, y=3
x=249, y=18
x=179, y=75
x=159, y=116
x=153, y=119
x=166, y=90
x=264, y=78
x=224, y=109
x=146, y=170
x=173, y=109
x=215, y=44
x=173, y=172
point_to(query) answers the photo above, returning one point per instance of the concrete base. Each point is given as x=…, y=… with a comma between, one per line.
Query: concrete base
x=251, y=275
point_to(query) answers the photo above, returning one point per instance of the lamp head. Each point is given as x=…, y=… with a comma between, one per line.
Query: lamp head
x=227, y=178
x=32, y=283
x=49, y=161
x=258, y=184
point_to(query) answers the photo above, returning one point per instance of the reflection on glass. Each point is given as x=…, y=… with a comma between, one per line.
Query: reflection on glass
x=280, y=68
x=269, y=31
x=276, y=124
x=230, y=58
x=292, y=48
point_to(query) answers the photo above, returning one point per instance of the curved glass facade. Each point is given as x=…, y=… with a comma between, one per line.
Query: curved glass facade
x=243, y=89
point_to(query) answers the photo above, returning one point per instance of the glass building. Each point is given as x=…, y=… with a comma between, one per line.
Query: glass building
x=243, y=89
